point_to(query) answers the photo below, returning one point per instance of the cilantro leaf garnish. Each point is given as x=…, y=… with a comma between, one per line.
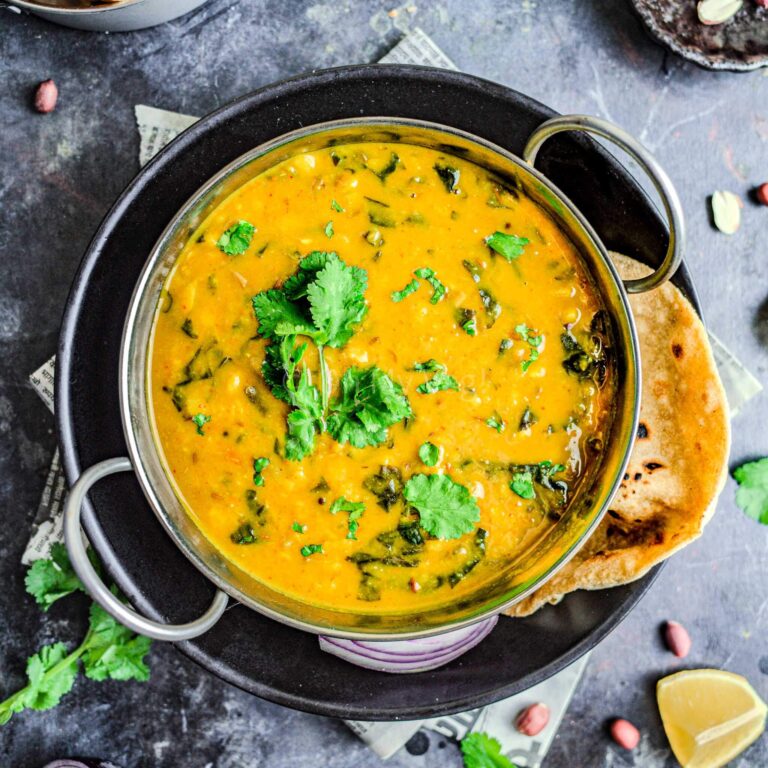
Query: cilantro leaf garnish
x=200, y=420
x=509, y=246
x=438, y=289
x=311, y=549
x=355, y=510
x=412, y=287
x=429, y=453
x=369, y=403
x=534, y=341
x=328, y=229
x=496, y=422
x=429, y=365
x=522, y=485
x=542, y=473
x=236, y=239
x=480, y=750
x=49, y=579
x=446, y=508
x=259, y=465
x=439, y=382
x=336, y=207
x=336, y=302
x=752, y=493
x=298, y=527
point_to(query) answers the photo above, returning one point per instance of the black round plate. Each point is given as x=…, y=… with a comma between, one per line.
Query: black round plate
x=255, y=653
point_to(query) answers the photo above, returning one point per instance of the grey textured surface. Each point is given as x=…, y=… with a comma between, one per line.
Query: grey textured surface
x=59, y=174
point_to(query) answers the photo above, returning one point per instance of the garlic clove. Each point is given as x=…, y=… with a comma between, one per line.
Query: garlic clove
x=726, y=210
x=717, y=11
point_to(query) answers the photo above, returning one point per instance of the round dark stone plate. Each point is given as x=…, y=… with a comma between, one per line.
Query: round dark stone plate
x=740, y=44
x=246, y=649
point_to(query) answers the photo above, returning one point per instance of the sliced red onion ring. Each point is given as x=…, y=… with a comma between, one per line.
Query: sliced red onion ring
x=402, y=656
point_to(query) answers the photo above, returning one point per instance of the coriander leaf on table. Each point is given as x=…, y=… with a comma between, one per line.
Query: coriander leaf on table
x=51, y=673
x=108, y=650
x=112, y=650
x=236, y=239
x=446, y=509
x=49, y=579
x=483, y=751
x=752, y=493
x=370, y=402
x=508, y=246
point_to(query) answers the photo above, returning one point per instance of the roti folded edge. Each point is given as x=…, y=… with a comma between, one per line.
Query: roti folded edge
x=679, y=463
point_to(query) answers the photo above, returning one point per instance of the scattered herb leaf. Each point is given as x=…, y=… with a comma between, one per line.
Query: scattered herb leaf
x=496, y=422
x=259, y=465
x=328, y=229
x=449, y=176
x=480, y=750
x=438, y=289
x=51, y=578
x=236, y=239
x=336, y=207
x=412, y=287
x=429, y=365
x=311, y=549
x=439, y=382
x=429, y=453
x=355, y=510
x=446, y=509
x=509, y=246
x=298, y=527
x=200, y=420
x=752, y=493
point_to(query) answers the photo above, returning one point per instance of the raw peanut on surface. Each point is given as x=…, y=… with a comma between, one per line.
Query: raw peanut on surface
x=46, y=96
x=717, y=11
x=625, y=734
x=762, y=191
x=677, y=639
x=532, y=720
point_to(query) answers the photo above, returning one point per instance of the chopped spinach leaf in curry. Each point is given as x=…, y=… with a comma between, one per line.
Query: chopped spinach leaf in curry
x=382, y=409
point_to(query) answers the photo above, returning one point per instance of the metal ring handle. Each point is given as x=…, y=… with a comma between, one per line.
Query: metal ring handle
x=648, y=163
x=96, y=587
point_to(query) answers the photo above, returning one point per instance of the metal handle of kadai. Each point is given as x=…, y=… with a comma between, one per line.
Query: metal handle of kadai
x=648, y=163
x=96, y=587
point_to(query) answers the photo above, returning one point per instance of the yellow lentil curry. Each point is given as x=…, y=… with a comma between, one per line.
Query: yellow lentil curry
x=378, y=375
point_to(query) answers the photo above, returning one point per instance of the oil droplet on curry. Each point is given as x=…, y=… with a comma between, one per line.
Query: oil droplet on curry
x=378, y=376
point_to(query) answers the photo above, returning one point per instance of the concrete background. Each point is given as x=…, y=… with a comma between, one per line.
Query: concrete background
x=59, y=174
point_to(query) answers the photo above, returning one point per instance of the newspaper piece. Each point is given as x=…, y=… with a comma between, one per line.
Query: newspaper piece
x=157, y=127
x=739, y=384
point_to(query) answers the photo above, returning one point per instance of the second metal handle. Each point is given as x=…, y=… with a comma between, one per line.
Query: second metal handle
x=648, y=163
x=96, y=587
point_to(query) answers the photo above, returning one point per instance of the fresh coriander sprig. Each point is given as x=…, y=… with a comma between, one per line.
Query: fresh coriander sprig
x=236, y=239
x=752, y=493
x=108, y=650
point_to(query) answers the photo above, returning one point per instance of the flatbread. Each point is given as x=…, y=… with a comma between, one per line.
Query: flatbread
x=679, y=463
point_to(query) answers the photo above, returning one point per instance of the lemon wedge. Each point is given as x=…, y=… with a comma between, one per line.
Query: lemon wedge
x=709, y=716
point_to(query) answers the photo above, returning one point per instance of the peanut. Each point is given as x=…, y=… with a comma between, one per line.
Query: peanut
x=46, y=96
x=532, y=720
x=677, y=639
x=761, y=193
x=625, y=734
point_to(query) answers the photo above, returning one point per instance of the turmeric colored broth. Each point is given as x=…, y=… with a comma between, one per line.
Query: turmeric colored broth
x=399, y=215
